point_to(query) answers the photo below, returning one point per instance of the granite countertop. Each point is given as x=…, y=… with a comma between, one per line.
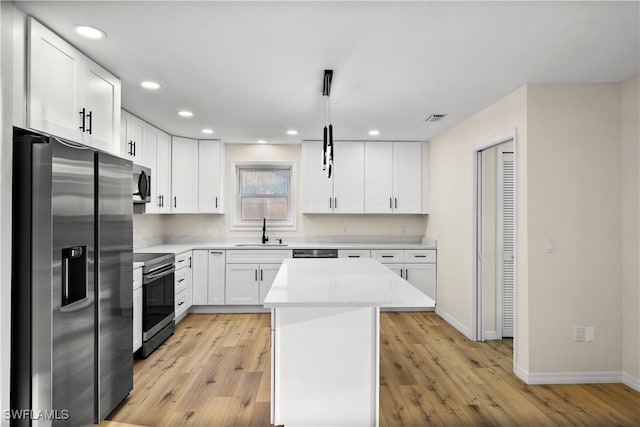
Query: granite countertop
x=342, y=283
x=183, y=247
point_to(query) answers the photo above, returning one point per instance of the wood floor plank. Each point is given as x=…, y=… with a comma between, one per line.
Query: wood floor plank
x=215, y=371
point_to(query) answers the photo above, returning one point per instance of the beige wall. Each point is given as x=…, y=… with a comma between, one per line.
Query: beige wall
x=216, y=226
x=451, y=219
x=630, y=209
x=573, y=188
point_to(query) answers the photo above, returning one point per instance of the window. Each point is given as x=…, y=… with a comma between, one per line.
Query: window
x=263, y=190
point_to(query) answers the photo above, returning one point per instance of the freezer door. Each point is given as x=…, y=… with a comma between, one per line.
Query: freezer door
x=115, y=278
x=65, y=302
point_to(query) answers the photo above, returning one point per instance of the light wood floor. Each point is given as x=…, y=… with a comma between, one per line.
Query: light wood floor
x=215, y=371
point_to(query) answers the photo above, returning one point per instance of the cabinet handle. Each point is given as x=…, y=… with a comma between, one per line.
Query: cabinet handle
x=387, y=256
x=255, y=274
x=134, y=148
x=82, y=114
x=261, y=275
x=216, y=203
x=180, y=303
x=335, y=203
x=175, y=201
x=401, y=273
x=90, y=115
x=131, y=148
x=181, y=260
x=390, y=202
x=180, y=280
x=396, y=203
x=353, y=256
x=189, y=262
x=406, y=274
x=420, y=256
x=159, y=201
x=330, y=203
x=216, y=253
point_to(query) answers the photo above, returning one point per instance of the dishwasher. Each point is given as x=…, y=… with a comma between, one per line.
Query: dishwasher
x=315, y=253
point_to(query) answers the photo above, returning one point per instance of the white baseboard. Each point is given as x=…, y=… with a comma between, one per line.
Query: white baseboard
x=225, y=309
x=490, y=335
x=453, y=322
x=576, y=378
x=630, y=381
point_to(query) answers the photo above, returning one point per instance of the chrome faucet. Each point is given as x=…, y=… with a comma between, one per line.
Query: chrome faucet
x=265, y=238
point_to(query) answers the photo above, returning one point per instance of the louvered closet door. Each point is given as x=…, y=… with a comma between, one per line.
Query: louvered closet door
x=508, y=243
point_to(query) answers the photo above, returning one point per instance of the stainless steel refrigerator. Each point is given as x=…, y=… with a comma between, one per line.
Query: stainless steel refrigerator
x=72, y=298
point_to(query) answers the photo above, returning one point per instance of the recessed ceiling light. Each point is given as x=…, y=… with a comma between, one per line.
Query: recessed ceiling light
x=185, y=113
x=292, y=132
x=150, y=85
x=261, y=141
x=374, y=132
x=90, y=32
x=207, y=130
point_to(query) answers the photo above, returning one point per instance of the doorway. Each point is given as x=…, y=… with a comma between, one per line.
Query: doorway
x=494, y=239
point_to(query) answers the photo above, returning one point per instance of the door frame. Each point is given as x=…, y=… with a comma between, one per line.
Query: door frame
x=476, y=282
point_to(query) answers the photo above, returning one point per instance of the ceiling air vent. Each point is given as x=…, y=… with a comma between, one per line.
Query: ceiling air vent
x=435, y=118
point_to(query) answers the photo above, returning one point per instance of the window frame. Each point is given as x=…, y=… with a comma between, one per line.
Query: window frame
x=236, y=223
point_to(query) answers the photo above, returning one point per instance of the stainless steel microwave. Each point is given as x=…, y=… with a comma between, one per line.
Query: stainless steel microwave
x=141, y=184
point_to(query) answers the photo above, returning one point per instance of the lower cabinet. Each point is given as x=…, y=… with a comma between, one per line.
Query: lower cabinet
x=137, y=309
x=248, y=284
x=208, y=277
x=417, y=267
x=183, y=286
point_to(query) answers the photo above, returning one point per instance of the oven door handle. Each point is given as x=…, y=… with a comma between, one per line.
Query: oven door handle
x=151, y=277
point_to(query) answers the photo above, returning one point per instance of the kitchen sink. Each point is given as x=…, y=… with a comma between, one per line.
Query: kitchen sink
x=260, y=245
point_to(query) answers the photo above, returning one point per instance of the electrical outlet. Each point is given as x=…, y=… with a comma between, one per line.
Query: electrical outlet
x=550, y=246
x=344, y=228
x=578, y=334
x=404, y=229
x=590, y=334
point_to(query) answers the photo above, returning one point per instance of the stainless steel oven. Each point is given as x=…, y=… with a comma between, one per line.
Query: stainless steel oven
x=158, y=299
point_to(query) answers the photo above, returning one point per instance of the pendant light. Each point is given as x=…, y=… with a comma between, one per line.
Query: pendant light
x=327, y=146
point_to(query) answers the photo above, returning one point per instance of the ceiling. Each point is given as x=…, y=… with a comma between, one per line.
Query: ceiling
x=253, y=70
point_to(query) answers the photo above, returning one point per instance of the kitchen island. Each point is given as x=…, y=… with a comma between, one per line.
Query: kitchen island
x=325, y=321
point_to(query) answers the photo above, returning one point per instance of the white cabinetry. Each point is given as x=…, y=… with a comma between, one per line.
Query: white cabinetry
x=137, y=309
x=418, y=267
x=157, y=152
x=354, y=253
x=132, y=136
x=208, y=277
x=250, y=274
x=344, y=191
x=184, y=175
x=394, y=177
x=183, y=284
x=210, y=172
x=69, y=95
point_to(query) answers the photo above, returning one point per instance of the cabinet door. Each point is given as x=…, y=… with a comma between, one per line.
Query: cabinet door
x=267, y=275
x=54, y=70
x=317, y=190
x=216, y=278
x=210, y=172
x=407, y=158
x=354, y=253
x=137, y=318
x=101, y=99
x=348, y=181
x=242, y=284
x=161, y=175
x=423, y=277
x=184, y=175
x=132, y=146
x=378, y=183
x=151, y=161
x=200, y=277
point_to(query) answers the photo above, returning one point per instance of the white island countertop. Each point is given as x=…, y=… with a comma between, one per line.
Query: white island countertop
x=342, y=282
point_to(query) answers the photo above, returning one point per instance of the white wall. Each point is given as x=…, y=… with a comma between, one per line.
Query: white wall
x=451, y=163
x=12, y=111
x=193, y=226
x=630, y=209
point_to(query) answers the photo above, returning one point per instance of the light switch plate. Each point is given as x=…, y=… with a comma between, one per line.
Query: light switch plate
x=550, y=246
x=590, y=333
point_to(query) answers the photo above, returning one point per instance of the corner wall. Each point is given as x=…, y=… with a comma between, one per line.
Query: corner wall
x=630, y=208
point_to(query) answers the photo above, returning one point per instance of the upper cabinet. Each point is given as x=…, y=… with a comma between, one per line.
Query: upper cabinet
x=210, y=170
x=395, y=177
x=132, y=138
x=184, y=175
x=68, y=94
x=344, y=191
x=157, y=157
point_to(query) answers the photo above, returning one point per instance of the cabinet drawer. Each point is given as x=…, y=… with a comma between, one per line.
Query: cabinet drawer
x=183, y=260
x=181, y=302
x=253, y=256
x=181, y=279
x=420, y=256
x=354, y=253
x=388, y=256
x=137, y=278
